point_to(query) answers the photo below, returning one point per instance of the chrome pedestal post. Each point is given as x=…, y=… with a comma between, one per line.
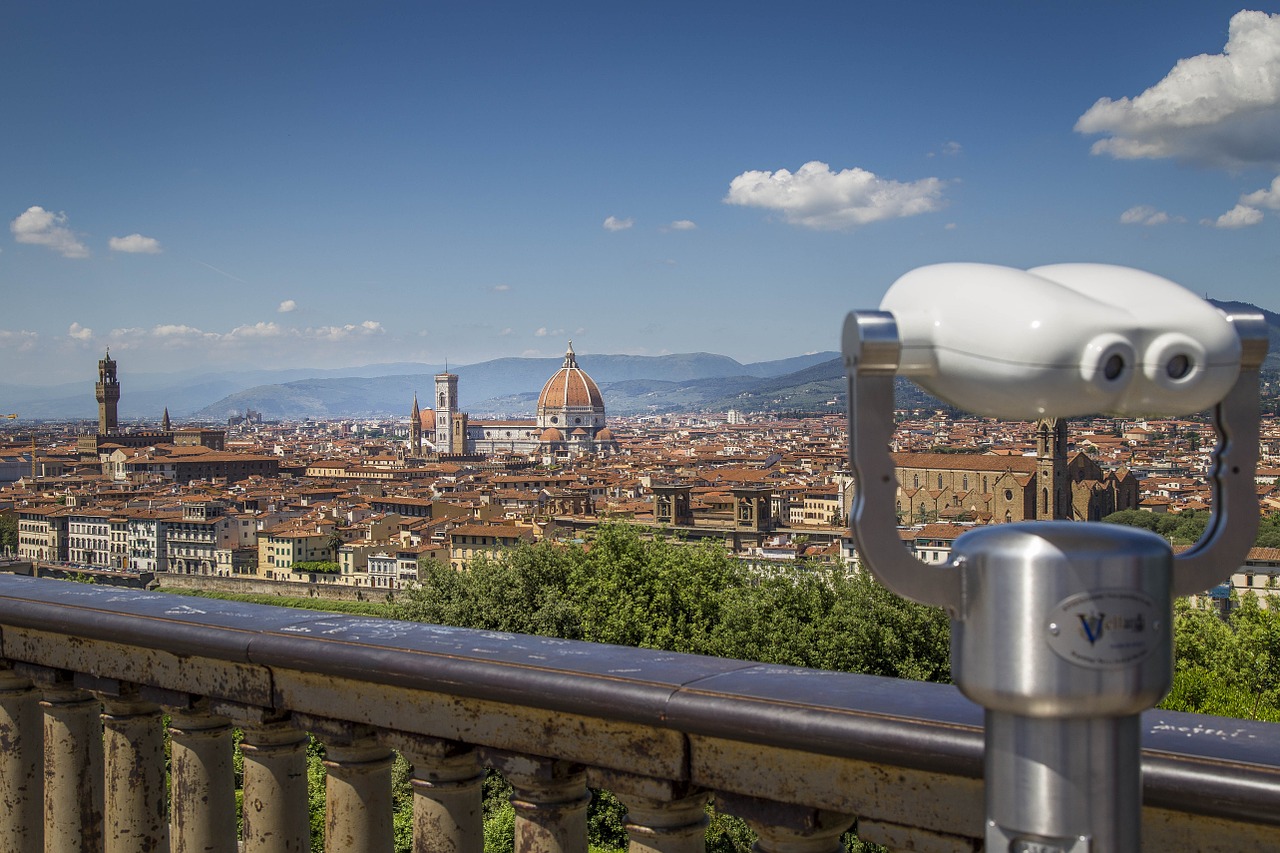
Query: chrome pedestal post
x=1062, y=635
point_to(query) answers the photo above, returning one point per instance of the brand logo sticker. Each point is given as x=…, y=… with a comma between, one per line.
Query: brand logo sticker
x=1104, y=628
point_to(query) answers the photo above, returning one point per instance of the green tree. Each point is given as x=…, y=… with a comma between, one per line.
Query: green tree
x=1269, y=531
x=1183, y=528
x=870, y=629
x=335, y=543
x=664, y=594
x=1228, y=668
x=317, y=566
x=656, y=594
x=8, y=533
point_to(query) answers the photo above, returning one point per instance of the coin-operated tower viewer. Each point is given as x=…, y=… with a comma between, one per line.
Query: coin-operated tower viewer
x=1061, y=630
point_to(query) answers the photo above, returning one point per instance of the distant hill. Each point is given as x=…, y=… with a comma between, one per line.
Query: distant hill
x=510, y=386
x=501, y=387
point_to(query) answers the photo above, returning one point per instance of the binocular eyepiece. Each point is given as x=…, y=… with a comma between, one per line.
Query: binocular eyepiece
x=1061, y=340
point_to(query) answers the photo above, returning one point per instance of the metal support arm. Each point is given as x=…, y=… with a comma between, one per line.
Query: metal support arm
x=1233, y=519
x=871, y=353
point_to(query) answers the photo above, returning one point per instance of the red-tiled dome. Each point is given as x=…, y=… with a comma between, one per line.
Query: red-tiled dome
x=570, y=386
x=605, y=434
x=551, y=434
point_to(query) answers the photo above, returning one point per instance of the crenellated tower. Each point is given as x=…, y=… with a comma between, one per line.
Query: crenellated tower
x=108, y=394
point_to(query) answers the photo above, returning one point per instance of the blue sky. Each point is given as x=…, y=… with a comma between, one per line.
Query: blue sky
x=321, y=184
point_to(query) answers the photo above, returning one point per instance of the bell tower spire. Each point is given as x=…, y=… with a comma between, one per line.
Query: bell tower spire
x=415, y=427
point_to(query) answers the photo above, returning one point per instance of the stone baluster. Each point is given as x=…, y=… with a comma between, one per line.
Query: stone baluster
x=663, y=816
x=72, y=764
x=550, y=800
x=133, y=771
x=787, y=828
x=202, y=780
x=21, y=763
x=357, y=790
x=448, y=794
x=276, y=809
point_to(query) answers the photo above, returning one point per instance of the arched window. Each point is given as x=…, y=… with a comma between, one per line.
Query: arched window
x=965, y=482
x=915, y=481
x=939, y=481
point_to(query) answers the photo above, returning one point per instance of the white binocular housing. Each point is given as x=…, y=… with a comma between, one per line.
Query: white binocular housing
x=1061, y=340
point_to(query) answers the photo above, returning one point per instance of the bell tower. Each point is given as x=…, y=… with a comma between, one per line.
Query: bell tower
x=415, y=427
x=1053, y=491
x=446, y=405
x=108, y=394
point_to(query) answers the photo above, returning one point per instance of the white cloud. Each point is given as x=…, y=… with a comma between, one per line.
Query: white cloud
x=613, y=223
x=287, y=306
x=818, y=198
x=541, y=333
x=176, y=334
x=257, y=330
x=338, y=333
x=80, y=333
x=501, y=288
x=1266, y=197
x=683, y=225
x=41, y=227
x=1143, y=214
x=950, y=226
x=22, y=340
x=949, y=149
x=1217, y=109
x=544, y=332
x=1240, y=216
x=507, y=331
x=135, y=244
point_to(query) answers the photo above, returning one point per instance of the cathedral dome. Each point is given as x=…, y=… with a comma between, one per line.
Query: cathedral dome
x=570, y=388
x=551, y=434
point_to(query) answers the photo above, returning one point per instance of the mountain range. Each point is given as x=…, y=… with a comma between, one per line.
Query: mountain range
x=504, y=387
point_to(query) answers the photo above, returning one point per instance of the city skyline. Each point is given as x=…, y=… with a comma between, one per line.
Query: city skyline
x=331, y=186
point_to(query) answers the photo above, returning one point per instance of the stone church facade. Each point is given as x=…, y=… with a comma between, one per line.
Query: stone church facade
x=1053, y=484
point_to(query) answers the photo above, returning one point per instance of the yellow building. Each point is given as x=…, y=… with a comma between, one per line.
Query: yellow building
x=280, y=547
x=469, y=540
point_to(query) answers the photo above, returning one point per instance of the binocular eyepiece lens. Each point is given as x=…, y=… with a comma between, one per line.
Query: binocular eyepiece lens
x=1178, y=366
x=1113, y=367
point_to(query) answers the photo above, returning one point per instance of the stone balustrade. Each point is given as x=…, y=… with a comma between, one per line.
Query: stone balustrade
x=89, y=675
